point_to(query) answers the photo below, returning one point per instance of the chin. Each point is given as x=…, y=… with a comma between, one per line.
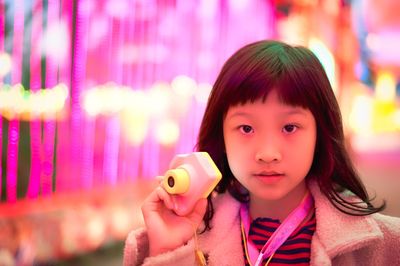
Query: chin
x=271, y=196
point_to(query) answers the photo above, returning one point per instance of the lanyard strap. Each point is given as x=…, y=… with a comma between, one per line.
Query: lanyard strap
x=294, y=219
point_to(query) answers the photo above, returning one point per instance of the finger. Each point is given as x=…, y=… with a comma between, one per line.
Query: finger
x=196, y=216
x=159, y=197
x=159, y=178
x=165, y=197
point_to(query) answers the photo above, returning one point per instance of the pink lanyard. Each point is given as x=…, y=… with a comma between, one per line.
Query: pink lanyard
x=283, y=232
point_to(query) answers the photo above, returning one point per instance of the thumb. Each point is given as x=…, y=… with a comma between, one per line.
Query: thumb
x=196, y=216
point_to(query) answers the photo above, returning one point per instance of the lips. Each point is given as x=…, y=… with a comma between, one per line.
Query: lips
x=268, y=174
x=269, y=177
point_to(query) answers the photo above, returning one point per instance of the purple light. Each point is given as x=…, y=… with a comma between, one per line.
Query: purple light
x=1, y=150
x=2, y=29
x=12, y=160
x=78, y=78
x=17, y=41
x=34, y=179
x=111, y=149
x=36, y=124
x=88, y=152
x=112, y=126
x=48, y=157
x=49, y=127
x=13, y=130
x=63, y=129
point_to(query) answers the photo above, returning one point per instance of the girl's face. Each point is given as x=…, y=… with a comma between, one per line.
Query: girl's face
x=270, y=147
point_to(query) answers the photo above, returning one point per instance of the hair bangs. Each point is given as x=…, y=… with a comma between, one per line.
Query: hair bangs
x=303, y=80
x=253, y=88
x=251, y=81
x=293, y=91
x=289, y=70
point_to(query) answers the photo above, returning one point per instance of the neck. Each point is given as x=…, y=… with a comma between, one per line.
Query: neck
x=279, y=208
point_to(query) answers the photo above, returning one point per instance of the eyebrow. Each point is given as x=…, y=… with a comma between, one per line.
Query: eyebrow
x=292, y=111
x=295, y=111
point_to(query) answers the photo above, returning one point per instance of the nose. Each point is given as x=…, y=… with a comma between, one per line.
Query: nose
x=268, y=151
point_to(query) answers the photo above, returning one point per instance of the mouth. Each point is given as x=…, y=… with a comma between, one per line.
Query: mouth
x=268, y=174
x=269, y=177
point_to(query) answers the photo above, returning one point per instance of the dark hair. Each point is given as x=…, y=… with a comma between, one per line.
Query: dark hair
x=250, y=74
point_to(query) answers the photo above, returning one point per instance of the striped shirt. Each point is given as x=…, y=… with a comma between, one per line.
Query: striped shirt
x=294, y=251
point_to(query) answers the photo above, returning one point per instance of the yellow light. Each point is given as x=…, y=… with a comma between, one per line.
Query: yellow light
x=16, y=102
x=385, y=89
x=91, y=103
x=95, y=229
x=203, y=92
x=167, y=132
x=183, y=86
x=135, y=123
x=114, y=99
x=396, y=120
x=120, y=222
x=160, y=95
x=361, y=114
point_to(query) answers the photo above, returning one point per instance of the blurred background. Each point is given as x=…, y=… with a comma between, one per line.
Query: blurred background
x=97, y=96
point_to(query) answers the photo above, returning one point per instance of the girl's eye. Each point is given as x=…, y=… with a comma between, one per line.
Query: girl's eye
x=289, y=128
x=246, y=129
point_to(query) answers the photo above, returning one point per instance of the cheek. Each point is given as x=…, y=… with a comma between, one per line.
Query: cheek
x=231, y=153
x=234, y=155
x=306, y=150
x=302, y=148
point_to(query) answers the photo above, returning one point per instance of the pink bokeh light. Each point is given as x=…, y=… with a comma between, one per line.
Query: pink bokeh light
x=133, y=44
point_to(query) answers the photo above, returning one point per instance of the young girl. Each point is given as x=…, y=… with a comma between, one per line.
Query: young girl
x=289, y=193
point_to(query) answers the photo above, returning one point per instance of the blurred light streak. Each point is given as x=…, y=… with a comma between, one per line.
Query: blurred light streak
x=49, y=130
x=52, y=63
x=13, y=130
x=327, y=60
x=111, y=149
x=207, y=9
x=238, y=5
x=56, y=39
x=83, y=11
x=35, y=85
x=118, y=9
x=99, y=27
x=5, y=67
x=12, y=160
x=5, y=62
x=88, y=153
x=63, y=149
